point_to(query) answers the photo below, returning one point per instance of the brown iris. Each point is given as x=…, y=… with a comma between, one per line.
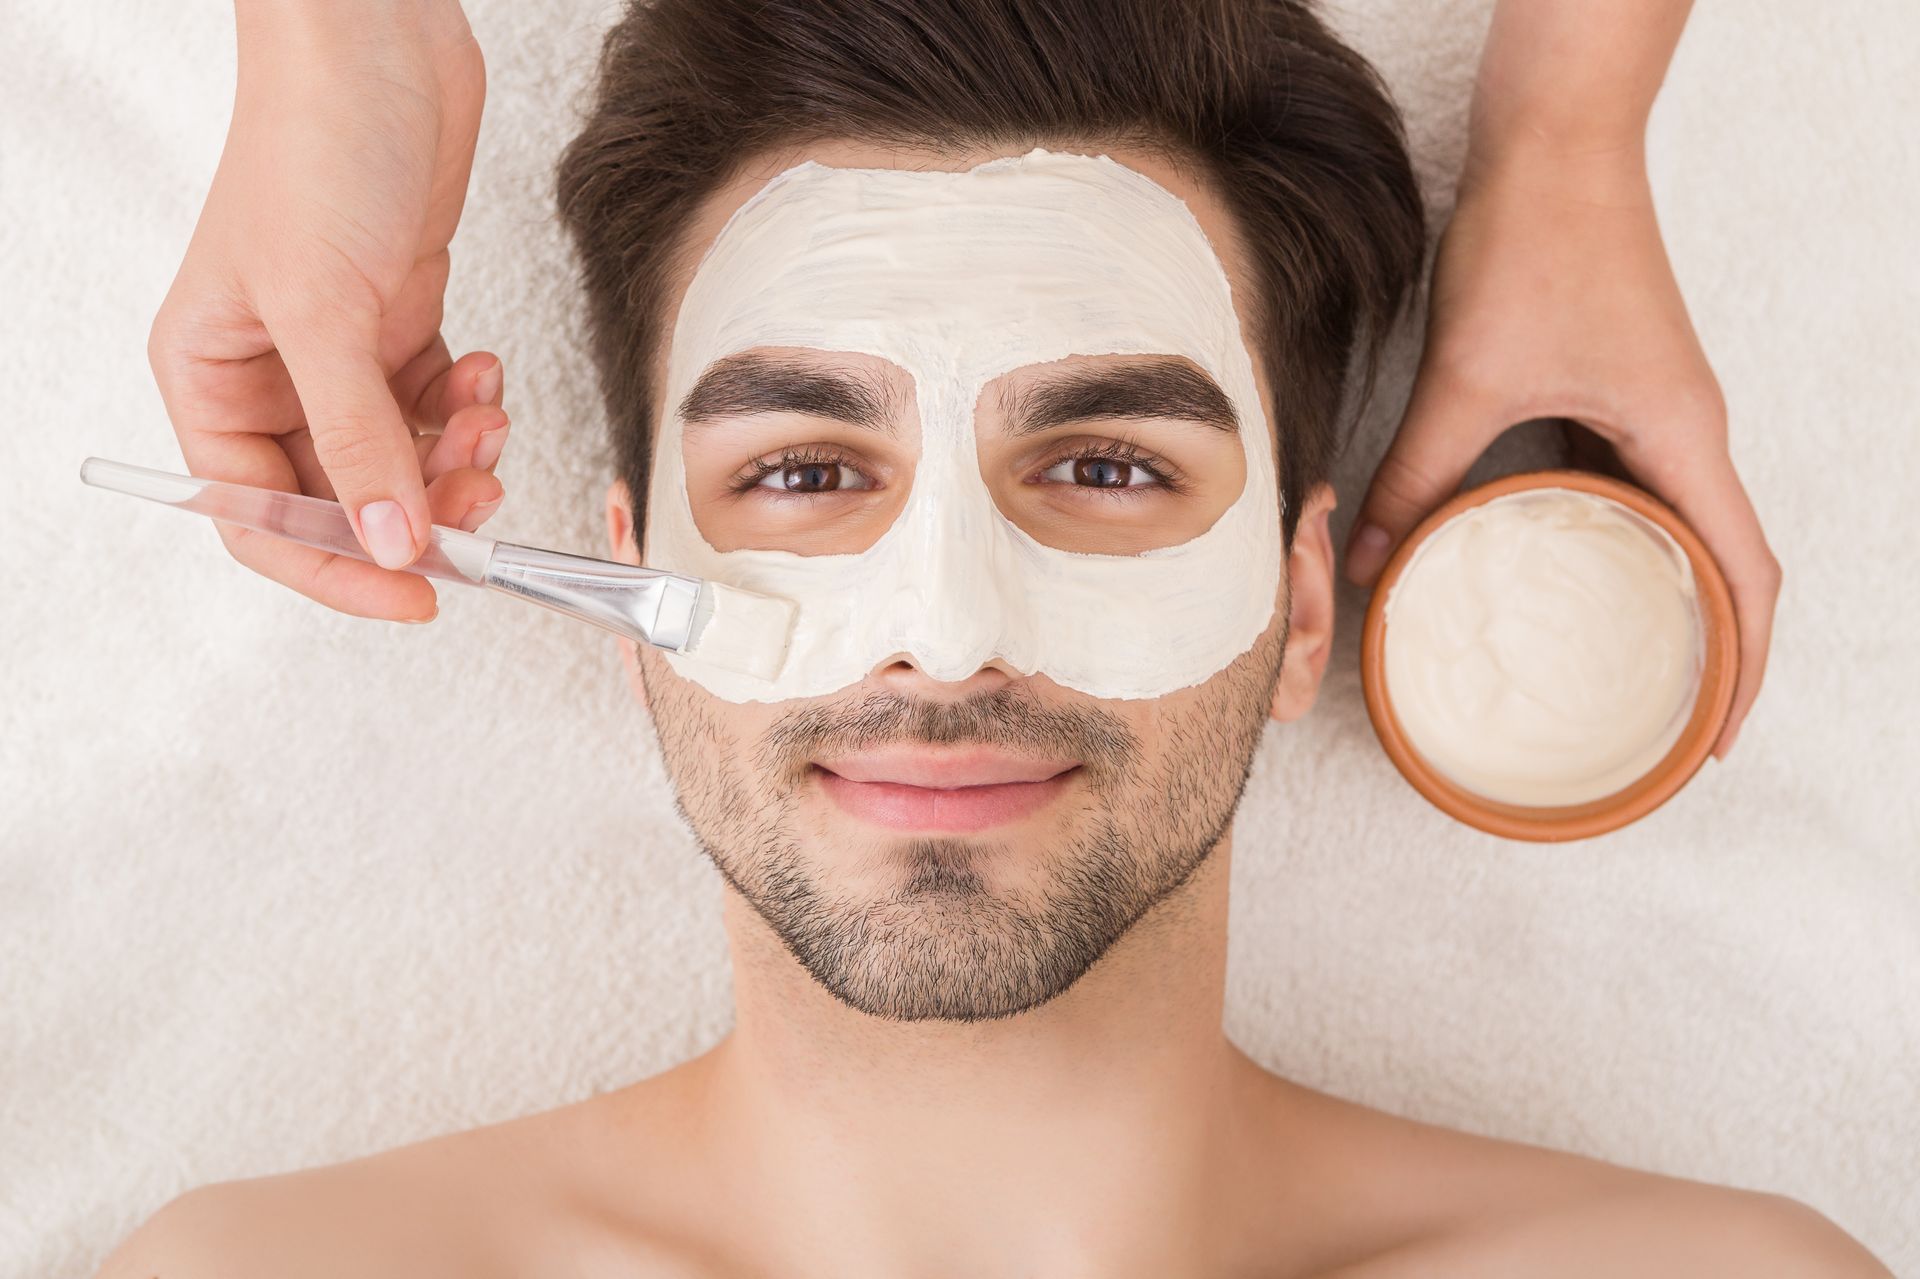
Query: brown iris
x=811, y=477
x=1100, y=472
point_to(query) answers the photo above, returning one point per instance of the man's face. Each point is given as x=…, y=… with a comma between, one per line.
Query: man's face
x=945, y=836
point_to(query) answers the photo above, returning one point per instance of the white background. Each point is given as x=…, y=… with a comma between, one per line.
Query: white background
x=280, y=887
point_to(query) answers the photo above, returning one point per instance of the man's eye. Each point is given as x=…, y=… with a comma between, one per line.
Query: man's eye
x=1101, y=472
x=811, y=477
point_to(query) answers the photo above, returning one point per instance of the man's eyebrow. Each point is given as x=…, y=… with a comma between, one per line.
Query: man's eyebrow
x=754, y=382
x=1159, y=388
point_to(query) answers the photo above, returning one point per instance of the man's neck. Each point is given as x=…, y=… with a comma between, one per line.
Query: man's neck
x=1088, y=1134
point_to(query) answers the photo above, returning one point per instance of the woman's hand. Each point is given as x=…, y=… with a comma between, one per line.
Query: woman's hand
x=1552, y=296
x=299, y=347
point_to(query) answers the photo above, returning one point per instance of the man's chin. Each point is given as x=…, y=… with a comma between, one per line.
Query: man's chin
x=941, y=944
x=914, y=925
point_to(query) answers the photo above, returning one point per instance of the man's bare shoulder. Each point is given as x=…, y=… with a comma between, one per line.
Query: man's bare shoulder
x=1677, y=1230
x=1459, y=1203
x=226, y=1229
x=270, y=1227
x=472, y=1204
x=356, y=1217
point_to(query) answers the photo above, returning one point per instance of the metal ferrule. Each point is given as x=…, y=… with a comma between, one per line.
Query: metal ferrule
x=643, y=604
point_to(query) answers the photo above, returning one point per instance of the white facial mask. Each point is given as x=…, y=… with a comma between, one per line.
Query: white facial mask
x=959, y=278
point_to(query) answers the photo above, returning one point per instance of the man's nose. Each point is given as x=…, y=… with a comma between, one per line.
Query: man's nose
x=956, y=623
x=902, y=674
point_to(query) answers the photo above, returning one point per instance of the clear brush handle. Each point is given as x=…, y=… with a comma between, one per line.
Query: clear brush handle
x=451, y=555
x=641, y=603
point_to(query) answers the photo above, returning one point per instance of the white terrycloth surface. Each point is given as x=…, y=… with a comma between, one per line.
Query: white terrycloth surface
x=282, y=887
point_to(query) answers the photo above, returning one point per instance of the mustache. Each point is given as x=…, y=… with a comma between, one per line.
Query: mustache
x=1008, y=718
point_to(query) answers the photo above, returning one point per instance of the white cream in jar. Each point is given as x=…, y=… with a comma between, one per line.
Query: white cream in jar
x=1545, y=647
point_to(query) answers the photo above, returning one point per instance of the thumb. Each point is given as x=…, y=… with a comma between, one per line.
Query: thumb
x=1442, y=434
x=359, y=437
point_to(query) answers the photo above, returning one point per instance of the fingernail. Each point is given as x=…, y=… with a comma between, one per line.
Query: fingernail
x=1366, y=552
x=389, y=536
x=487, y=451
x=422, y=621
x=487, y=384
x=474, y=518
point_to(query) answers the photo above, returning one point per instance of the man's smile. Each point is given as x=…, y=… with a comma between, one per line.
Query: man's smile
x=932, y=789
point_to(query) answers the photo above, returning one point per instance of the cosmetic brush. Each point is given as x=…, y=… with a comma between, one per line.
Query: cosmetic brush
x=720, y=625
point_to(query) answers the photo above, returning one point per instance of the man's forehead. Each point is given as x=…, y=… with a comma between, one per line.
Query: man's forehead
x=1018, y=260
x=1183, y=176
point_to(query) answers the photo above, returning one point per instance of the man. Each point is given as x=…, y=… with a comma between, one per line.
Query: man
x=1009, y=341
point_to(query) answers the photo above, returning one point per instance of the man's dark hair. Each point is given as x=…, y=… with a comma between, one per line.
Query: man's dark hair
x=1295, y=130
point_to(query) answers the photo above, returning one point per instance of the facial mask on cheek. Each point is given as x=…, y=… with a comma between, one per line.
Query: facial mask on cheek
x=959, y=278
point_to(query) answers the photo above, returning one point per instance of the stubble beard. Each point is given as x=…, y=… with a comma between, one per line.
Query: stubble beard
x=945, y=944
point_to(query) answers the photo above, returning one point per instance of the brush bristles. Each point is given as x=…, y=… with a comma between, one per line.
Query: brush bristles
x=741, y=631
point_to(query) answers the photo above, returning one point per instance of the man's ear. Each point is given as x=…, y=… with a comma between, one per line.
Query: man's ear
x=623, y=541
x=1309, y=589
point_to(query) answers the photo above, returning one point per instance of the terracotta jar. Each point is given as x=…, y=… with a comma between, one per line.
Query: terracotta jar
x=1712, y=700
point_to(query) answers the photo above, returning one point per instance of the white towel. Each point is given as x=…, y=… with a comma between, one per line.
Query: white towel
x=282, y=887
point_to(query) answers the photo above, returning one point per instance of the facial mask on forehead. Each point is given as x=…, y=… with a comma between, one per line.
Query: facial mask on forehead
x=959, y=278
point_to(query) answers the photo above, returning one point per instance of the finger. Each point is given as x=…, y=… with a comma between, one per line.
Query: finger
x=474, y=437
x=358, y=434
x=1697, y=479
x=475, y=378
x=410, y=381
x=341, y=583
x=475, y=434
x=1445, y=429
x=463, y=499
x=228, y=413
x=298, y=446
x=251, y=394
x=337, y=581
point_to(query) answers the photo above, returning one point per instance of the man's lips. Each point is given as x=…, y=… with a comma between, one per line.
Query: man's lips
x=943, y=769
x=917, y=788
